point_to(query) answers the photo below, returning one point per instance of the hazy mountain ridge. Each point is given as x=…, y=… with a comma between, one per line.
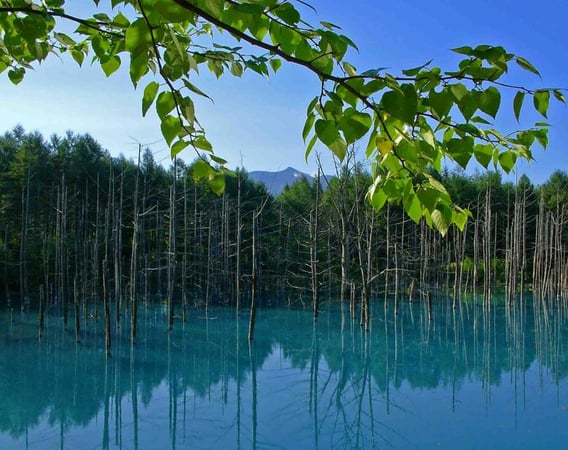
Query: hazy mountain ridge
x=275, y=182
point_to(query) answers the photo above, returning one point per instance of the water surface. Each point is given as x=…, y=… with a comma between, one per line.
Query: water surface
x=469, y=379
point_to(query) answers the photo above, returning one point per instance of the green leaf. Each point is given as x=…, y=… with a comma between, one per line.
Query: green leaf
x=460, y=219
x=78, y=55
x=413, y=207
x=195, y=89
x=287, y=13
x=138, y=67
x=149, y=96
x=442, y=218
x=326, y=131
x=201, y=169
x=406, y=150
x=469, y=129
x=165, y=103
x=217, y=183
x=526, y=65
x=507, y=160
x=441, y=102
x=518, y=104
x=428, y=197
x=339, y=148
x=349, y=69
x=218, y=160
x=490, y=101
x=541, y=136
x=559, y=95
x=401, y=105
x=416, y=70
x=63, y=39
x=310, y=146
x=458, y=91
x=170, y=126
x=171, y=11
x=202, y=143
x=236, y=69
x=178, y=147
x=16, y=75
x=541, y=100
x=308, y=125
x=461, y=150
x=378, y=199
x=137, y=37
x=187, y=109
x=111, y=65
x=469, y=103
x=275, y=63
x=483, y=154
x=354, y=124
x=466, y=50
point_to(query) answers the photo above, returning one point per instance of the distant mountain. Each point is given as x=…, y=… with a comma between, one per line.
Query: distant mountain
x=275, y=182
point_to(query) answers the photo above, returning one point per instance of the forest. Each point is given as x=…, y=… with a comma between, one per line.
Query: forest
x=80, y=229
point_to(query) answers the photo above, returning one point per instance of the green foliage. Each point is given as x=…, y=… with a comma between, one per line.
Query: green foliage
x=412, y=121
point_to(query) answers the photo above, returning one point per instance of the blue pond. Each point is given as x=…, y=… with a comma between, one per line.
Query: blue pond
x=472, y=378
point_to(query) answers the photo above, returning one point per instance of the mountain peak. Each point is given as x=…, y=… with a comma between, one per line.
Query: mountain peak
x=275, y=182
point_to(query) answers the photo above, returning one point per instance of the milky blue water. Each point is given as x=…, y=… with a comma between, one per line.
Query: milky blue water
x=458, y=379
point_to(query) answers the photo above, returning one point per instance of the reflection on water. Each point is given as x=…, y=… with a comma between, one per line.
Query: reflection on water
x=464, y=379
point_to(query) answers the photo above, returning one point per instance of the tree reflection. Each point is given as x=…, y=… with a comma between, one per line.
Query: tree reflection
x=337, y=385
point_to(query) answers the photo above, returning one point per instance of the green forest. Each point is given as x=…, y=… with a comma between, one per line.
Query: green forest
x=78, y=225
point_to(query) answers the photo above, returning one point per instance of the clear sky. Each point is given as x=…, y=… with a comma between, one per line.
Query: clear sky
x=258, y=121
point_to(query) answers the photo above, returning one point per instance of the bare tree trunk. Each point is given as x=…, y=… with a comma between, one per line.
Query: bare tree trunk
x=106, y=309
x=6, y=254
x=185, y=253
x=134, y=259
x=24, y=293
x=76, y=309
x=387, y=258
x=254, y=271
x=238, y=250
x=487, y=248
x=172, y=251
x=41, y=314
x=117, y=253
x=314, y=234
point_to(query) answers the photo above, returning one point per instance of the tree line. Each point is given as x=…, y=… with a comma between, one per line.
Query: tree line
x=80, y=229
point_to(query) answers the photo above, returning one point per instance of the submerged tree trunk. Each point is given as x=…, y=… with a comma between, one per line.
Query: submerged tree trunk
x=106, y=309
x=254, y=272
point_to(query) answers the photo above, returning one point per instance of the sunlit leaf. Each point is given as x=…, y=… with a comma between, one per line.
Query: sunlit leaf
x=401, y=105
x=111, y=65
x=490, y=101
x=170, y=126
x=217, y=183
x=541, y=101
x=526, y=65
x=201, y=169
x=518, y=104
x=149, y=96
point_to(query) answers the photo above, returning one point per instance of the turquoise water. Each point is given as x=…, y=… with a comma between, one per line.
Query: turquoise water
x=464, y=379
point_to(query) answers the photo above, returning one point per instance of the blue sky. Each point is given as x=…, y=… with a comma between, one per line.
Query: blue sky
x=258, y=121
